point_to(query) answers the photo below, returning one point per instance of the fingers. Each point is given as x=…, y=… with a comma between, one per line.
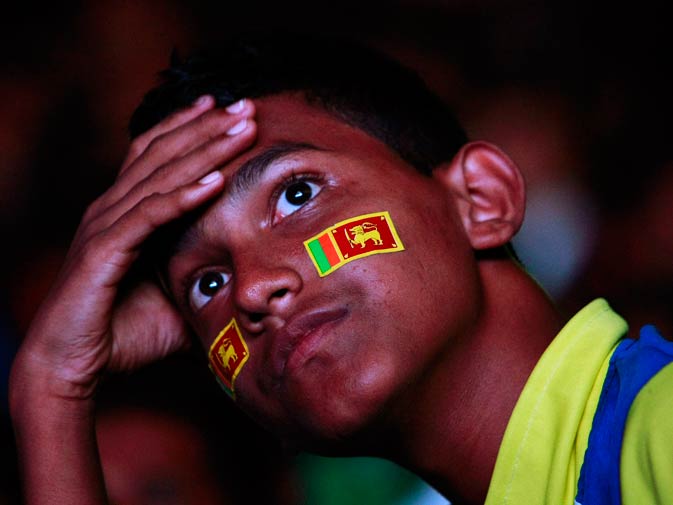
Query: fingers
x=111, y=252
x=71, y=337
x=176, y=119
x=160, y=184
x=189, y=168
x=179, y=150
x=170, y=170
x=200, y=159
x=178, y=135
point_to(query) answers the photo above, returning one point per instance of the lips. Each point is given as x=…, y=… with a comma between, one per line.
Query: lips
x=300, y=338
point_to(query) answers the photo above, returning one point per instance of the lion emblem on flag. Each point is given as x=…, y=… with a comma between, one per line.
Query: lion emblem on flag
x=363, y=232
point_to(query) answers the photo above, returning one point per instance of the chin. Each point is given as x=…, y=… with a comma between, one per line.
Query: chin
x=344, y=419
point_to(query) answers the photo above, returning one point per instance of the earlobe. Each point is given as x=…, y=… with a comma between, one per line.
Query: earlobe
x=488, y=191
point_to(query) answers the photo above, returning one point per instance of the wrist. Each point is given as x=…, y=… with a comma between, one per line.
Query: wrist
x=33, y=381
x=55, y=437
x=39, y=409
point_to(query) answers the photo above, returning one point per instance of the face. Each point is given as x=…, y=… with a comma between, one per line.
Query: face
x=329, y=357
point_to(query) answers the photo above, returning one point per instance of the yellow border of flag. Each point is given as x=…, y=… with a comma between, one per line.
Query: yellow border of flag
x=225, y=330
x=385, y=214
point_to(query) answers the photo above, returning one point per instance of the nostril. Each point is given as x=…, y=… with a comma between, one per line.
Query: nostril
x=280, y=293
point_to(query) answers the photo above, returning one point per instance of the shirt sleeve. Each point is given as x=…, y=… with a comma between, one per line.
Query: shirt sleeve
x=647, y=449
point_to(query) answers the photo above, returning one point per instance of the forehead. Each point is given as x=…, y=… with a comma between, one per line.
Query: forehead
x=290, y=119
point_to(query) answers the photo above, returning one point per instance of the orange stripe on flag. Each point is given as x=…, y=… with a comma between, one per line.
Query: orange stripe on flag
x=328, y=249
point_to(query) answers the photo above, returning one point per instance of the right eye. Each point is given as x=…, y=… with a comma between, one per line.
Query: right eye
x=206, y=287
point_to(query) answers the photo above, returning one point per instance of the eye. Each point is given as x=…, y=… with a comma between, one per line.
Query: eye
x=295, y=195
x=206, y=287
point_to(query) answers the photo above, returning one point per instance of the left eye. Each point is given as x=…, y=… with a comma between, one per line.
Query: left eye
x=294, y=196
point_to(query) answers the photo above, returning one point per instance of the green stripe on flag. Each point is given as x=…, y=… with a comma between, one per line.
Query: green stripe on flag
x=319, y=255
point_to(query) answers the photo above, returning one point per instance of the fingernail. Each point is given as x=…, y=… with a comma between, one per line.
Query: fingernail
x=238, y=127
x=210, y=178
x=236, y=107
x=202, y=100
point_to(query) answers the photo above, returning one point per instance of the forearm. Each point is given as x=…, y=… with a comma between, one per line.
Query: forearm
x=86, y=326
x=56, y=441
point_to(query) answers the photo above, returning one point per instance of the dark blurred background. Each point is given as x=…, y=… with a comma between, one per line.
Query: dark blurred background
x=577, y=93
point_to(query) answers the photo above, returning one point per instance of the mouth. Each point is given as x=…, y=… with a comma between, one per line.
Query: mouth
x=300, y=338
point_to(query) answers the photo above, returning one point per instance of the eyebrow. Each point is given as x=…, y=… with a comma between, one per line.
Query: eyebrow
x=241, y=181
x=252, y=170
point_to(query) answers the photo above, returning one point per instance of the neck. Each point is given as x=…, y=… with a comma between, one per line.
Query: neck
x=453, y=428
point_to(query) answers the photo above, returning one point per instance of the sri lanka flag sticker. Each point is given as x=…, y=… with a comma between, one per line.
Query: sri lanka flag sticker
x=227, y=355
x=352, y=239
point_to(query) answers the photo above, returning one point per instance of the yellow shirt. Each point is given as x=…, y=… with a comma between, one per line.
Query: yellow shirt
x=543, y=448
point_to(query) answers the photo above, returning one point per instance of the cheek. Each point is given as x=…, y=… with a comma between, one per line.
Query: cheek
x=212, y=319
x=431, y=291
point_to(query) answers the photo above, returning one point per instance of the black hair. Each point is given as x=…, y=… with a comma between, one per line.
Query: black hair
x=357, y=84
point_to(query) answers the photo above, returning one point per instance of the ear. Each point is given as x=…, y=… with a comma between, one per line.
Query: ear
x=489, y=192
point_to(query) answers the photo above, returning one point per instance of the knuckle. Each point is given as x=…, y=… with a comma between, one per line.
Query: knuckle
x=215, y=120
x=94, y=249
x=182, y=114
x=94, y=209
x=84, y=232
x=146, y=204
x=218, y=146
x=90, y=212
x=137, y=147
x=223, y=144
x=182, y=200
x=149, y=207
x=154, y=145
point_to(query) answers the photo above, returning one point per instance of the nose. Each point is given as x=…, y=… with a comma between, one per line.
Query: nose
x=261, y=292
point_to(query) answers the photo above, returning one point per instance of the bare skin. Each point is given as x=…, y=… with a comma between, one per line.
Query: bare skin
x=83, y=328
x=417, y=356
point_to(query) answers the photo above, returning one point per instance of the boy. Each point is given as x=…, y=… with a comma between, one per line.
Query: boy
x=318, y=221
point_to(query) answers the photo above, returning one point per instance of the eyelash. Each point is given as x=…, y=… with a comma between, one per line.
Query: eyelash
x=186, y=284
x=293, y=178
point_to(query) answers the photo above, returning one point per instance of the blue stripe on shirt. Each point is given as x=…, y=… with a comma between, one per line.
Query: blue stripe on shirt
x=632, y=365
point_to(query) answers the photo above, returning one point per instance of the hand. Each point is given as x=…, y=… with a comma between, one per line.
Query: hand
x=85, y=326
